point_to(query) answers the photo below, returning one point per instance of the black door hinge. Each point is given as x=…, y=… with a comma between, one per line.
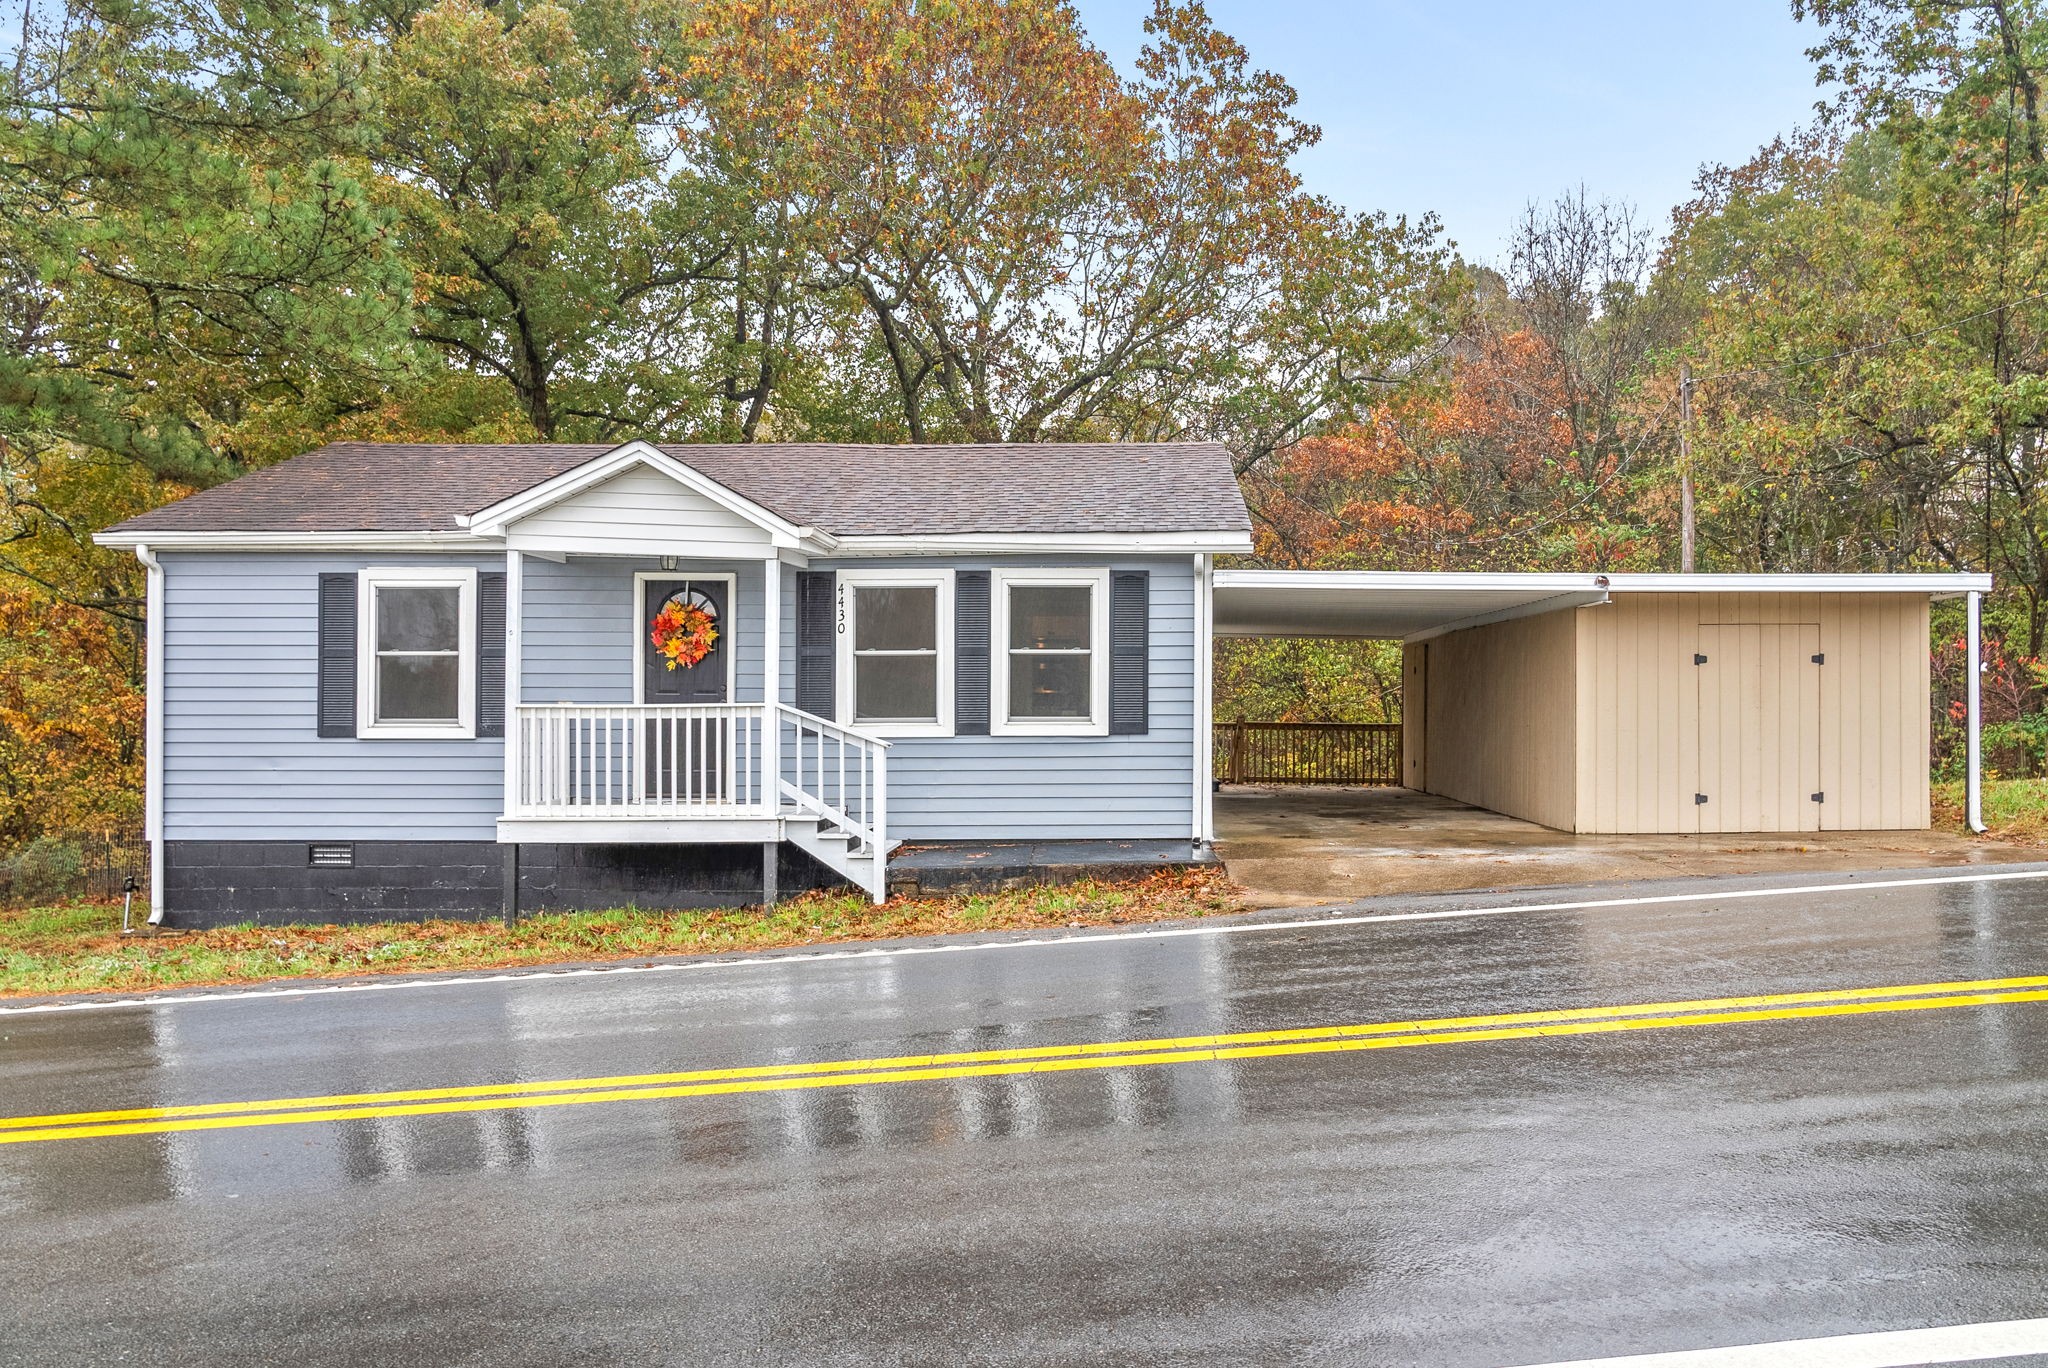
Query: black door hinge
x=1821, y=659
x=1820, y=797
x=1698, y=659
x=1698, y=798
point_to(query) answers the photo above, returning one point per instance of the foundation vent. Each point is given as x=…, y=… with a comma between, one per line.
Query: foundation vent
x=335, y=855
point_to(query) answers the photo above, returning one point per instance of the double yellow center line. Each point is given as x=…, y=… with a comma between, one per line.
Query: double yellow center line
x=1113, y=1054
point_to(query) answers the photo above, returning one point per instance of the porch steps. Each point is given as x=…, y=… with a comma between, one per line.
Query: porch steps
x=838, y=850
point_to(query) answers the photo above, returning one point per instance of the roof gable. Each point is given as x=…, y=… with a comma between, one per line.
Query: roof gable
x=635, y=493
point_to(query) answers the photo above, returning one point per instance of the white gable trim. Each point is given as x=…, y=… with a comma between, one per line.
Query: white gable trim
x=495, y=519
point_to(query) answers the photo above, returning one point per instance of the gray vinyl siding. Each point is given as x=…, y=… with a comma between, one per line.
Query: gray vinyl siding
x=580, y=626
x=241, y=760
x=1005, y=788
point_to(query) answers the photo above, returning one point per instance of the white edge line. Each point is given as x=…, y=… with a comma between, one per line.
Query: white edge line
x=1881, y=1349
x=1026, y=943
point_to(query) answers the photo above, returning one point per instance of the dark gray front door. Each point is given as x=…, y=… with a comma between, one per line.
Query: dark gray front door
x=685, y=756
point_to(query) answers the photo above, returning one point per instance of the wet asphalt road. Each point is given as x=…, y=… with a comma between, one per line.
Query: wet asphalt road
x=1484, y=1203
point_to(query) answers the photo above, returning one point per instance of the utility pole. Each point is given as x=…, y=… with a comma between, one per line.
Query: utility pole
x=1685, y=557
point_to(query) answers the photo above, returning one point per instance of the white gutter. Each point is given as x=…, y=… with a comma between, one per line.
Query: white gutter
x=294, y=541
x=1973, y=691
x=153, y=727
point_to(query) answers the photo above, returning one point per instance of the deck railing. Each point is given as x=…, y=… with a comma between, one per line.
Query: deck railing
x=696, y=759
x=1308, y=752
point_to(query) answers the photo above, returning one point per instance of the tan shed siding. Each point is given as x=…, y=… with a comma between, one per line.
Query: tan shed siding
x=1500, y=710
x=1639, y=732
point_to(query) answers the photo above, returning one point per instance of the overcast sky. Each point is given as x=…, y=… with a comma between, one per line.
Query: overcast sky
x=1474, y=109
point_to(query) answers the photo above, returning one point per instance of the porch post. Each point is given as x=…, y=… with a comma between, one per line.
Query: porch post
x=515, y=613
x=771, y=717
x=515, y=610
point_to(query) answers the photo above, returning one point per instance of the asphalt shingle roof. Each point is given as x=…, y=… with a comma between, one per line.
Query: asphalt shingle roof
x=846, y=490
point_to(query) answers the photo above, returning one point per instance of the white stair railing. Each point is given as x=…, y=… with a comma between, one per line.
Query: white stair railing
x=838, y=774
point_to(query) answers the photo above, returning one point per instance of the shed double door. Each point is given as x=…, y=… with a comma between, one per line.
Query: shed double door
x=1759, y=727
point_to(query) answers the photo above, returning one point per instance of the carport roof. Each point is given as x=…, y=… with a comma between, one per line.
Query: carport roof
x=1416, y=605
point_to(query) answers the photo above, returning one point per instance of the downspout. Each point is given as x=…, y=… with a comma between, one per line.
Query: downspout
x=1973, y=691
x=1205, y=685
x=153, y=728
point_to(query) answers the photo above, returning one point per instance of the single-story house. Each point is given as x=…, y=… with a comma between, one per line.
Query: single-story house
x=457, y=679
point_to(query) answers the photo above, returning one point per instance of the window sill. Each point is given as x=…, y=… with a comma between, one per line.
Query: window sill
x=893, y=729
x=1076, y=727
x=401, y=731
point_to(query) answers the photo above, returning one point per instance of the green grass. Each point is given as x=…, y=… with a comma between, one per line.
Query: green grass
x=78, y=948
x=2014, y=809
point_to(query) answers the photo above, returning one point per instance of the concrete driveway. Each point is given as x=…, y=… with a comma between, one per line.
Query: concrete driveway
x=1293, y=846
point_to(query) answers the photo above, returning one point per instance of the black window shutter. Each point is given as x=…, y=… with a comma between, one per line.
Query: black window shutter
x=816, y=648
x=490, y=653
x=970, y=653
x=335, y=696
x=1130, y=649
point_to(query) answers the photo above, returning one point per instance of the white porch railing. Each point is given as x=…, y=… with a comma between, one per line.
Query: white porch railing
x=837, y=774
x=667, y=760
x=584, y=760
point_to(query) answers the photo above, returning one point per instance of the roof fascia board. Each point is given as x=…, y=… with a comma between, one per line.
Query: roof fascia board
x=1584, y=598
x=1420, y=581
x=287, y=541
x=1940, y=584
x=952, y=543
x=597, y=470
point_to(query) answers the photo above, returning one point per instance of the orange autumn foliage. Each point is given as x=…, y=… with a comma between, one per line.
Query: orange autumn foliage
x=1480, y=472
x=70, y=722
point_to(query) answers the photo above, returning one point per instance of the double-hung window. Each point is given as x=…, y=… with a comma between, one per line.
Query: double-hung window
x=895, y=634
x=416, y=653
x=1051, y=631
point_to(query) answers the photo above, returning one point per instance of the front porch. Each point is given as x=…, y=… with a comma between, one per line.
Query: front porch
x=699, y=775
x=710, y=773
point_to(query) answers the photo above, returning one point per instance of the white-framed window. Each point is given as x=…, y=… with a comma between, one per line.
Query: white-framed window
x=1050, y=631
x=416, y=652
x=895, y=635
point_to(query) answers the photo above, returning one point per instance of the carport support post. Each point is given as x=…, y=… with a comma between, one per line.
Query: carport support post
x=1973, y=691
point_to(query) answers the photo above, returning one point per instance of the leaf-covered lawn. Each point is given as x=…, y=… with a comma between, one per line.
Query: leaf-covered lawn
x=2015, y=810
x=78, y=948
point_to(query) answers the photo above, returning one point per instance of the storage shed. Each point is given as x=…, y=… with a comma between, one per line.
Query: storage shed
x=1644, y=703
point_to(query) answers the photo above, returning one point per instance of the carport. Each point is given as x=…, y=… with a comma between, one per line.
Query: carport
x=1667, y=704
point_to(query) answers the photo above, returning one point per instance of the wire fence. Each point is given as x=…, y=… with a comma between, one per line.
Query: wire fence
x=65, y=866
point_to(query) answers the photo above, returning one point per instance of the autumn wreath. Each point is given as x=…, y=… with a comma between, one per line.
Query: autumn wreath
x=684, y=633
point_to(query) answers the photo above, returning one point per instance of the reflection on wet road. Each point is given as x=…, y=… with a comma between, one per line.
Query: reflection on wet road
x=1848, y=1138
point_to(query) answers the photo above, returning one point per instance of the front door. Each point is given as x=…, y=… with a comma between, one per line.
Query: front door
x=686, y=756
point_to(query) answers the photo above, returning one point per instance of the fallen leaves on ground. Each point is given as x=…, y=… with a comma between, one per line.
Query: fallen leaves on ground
x=78, y=948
